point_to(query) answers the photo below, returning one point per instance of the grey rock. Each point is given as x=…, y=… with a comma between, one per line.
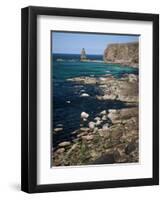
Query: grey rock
x=103, y=112
x=97, y=118
x=98, y=122
x=60, y=150
x=87, y=137
x=56, y=130
x=64, y=144
x=105, y=159
x=130, y=147
x=84, y=115
x=104, y=118
x=91, y=125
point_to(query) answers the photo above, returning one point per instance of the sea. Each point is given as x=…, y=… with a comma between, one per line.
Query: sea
x=67, y=99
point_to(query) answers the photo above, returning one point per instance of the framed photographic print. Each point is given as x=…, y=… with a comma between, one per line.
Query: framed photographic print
x=90, y=99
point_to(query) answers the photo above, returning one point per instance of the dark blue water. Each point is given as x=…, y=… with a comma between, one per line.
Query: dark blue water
x=67, y=102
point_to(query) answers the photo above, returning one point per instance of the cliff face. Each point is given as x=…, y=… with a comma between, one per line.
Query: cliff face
x=124, y=53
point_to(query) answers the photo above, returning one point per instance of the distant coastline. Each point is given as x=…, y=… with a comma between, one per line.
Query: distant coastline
x=91, y=58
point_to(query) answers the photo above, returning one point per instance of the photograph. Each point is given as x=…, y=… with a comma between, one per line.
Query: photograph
x=94, y=98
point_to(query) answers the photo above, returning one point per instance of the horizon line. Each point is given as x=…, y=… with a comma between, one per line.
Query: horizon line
x=75, y=53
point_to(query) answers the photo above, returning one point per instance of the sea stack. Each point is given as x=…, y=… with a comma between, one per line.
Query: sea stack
x=83, y=55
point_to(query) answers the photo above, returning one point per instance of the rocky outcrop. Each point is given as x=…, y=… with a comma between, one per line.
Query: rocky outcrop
x=123, y=89
x=122, y=53
x=116, y=141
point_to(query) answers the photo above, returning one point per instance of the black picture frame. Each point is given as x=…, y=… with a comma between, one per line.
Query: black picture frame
x=29, y=99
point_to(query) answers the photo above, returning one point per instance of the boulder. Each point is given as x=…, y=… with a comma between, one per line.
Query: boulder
x=114, y=116
x=104, y=133
x=84, y=129
x=132, y=78
x=95, y=130
x=84, y=115
x=58, y=129
x=105, y=127
x=104, y=118
x=74, y=146
x=103, y=112
x=116, y=132
x=64, y=144
x=122, y=115
x=105, y=159
x=60, y=150
x=130, y=147
x=91, y=125
x=98, y=122
x=97, y=118
x=87, y=137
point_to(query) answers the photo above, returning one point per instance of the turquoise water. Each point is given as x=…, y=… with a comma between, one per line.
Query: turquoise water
x=67, y=101
x=64, y=70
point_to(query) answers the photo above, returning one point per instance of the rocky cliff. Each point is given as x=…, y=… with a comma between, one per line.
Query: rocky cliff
x=122, y=53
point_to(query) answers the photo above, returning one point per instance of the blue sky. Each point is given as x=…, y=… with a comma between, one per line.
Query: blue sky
x=72, y=43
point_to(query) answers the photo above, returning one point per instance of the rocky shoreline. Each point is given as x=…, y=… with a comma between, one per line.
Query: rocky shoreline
x=122, y=89
x=112, y=136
